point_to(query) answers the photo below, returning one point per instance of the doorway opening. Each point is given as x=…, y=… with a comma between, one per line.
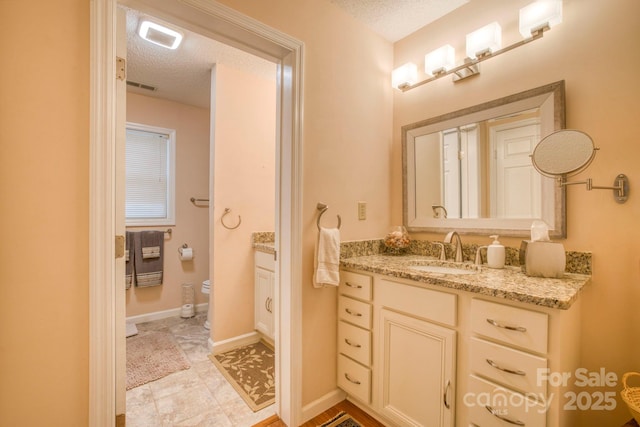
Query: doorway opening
x=106, y=311
x=221, y=102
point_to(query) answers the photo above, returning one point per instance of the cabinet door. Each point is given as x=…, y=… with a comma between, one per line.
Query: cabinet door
x=417, y=374
x=264, y=280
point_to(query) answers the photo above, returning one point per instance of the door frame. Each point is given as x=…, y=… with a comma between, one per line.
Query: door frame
x=229, y=26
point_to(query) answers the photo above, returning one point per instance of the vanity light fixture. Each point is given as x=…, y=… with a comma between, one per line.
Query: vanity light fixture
x=440, y=60
x=538, y=15
x=405, y=75
x=159, y=35
x=486, y=43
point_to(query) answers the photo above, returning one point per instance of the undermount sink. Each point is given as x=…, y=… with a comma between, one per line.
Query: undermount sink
x=440, y=269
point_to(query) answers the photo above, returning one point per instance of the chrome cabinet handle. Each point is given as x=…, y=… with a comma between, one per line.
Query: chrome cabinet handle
x=266, y=304
x=352, y=286
x=356, y=382
x=507, y=370
x=502, y=417
x=353, y=313
x=352, y=344
x=444, y=397
x=508, y=327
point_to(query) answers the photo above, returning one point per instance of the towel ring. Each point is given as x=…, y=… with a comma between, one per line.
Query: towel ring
x=323, y=208
x=226, y=211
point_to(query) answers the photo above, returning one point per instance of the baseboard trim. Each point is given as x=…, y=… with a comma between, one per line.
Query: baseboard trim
x=158, y=315
x=231, y=343
x=320, y=405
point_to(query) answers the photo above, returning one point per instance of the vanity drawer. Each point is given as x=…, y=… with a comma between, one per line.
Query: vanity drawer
x=510, y=325
x=493, y=406
x=354, y=378
x=354, y=342
x=355, y=285
x=354, y=311
x=424, y=303
x=507, y=366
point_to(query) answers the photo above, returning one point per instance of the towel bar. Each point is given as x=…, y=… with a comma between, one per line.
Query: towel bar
x=194, y=200
x=323, y=208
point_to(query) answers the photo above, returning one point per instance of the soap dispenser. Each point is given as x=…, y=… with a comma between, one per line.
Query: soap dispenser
x=495, y=253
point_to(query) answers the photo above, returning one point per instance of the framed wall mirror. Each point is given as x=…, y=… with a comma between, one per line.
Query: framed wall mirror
x=471, y=170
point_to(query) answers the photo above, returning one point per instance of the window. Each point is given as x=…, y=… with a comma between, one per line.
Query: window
x=150, y=175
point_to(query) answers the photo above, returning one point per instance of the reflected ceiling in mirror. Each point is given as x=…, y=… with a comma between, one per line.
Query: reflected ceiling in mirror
x=471, y=170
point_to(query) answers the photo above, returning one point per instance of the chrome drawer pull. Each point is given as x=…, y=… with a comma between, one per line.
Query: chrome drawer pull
x=502, y=417
x=349, y=379
x=509, y=371
x=509, y=327
x=353, y=313
x=352, y=286
x=352, y=344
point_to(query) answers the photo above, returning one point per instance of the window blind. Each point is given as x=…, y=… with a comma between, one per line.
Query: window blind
x=147, y=175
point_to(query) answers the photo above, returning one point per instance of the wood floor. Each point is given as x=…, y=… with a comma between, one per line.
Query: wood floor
x=358, y=414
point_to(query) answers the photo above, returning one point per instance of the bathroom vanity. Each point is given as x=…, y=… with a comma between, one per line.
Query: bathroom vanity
x=428, y=343
x=264, y=282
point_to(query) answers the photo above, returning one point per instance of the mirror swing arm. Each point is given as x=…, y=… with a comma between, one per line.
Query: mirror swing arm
x=620, y=186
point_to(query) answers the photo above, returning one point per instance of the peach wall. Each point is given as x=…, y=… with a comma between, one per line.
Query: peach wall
x=346, y=145
x=244, y=181
x=192, y=222
x=44, y=213
x=595, y=50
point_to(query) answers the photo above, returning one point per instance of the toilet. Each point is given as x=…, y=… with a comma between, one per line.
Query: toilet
x=206, y=289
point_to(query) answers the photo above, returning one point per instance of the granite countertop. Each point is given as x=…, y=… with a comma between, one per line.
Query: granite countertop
x=264, y=241
x=268, y=247
x=509, y=283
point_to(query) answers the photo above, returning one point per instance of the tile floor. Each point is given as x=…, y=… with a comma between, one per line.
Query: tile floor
x=199, y=396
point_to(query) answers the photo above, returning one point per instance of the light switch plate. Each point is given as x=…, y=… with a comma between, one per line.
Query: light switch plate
x=362, y=210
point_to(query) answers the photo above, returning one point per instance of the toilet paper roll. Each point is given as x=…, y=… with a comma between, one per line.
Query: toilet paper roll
x=186, y=254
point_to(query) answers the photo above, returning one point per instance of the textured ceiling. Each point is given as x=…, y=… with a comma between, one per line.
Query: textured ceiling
x=183, y=75
x=396, y=19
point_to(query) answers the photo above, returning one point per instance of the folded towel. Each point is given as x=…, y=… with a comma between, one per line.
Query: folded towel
x=148, y=270
x=327, y=258
x=129, y=260
x=151, y=252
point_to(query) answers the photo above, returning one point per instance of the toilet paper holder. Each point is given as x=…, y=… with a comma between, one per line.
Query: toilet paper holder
x=186, y=253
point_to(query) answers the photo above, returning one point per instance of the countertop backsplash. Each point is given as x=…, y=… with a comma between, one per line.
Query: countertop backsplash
x=577, y=262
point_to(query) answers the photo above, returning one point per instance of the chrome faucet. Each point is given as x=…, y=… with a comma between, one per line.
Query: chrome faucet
x=448, y=239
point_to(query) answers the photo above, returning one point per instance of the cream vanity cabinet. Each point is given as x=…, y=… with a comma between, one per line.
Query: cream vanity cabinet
x=415, y=354
x=354, y=335
x=397, y=349
x=513, y=351
x=507, y=350
x=264, y=279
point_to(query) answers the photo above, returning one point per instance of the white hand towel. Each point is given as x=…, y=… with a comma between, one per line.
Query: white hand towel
x=326, y=264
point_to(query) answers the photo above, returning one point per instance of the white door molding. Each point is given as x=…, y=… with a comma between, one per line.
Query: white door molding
x=223, y=24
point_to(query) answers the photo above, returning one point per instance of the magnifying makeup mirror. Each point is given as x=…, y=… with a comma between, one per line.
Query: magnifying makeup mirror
x=567, y=152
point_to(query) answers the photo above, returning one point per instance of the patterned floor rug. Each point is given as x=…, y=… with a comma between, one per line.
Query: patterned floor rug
x=151, y=356
x=341, y=420
x=251, y=371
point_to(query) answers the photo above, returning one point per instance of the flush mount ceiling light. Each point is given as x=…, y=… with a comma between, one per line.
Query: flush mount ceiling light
x=159, y=35
x=486, y=43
